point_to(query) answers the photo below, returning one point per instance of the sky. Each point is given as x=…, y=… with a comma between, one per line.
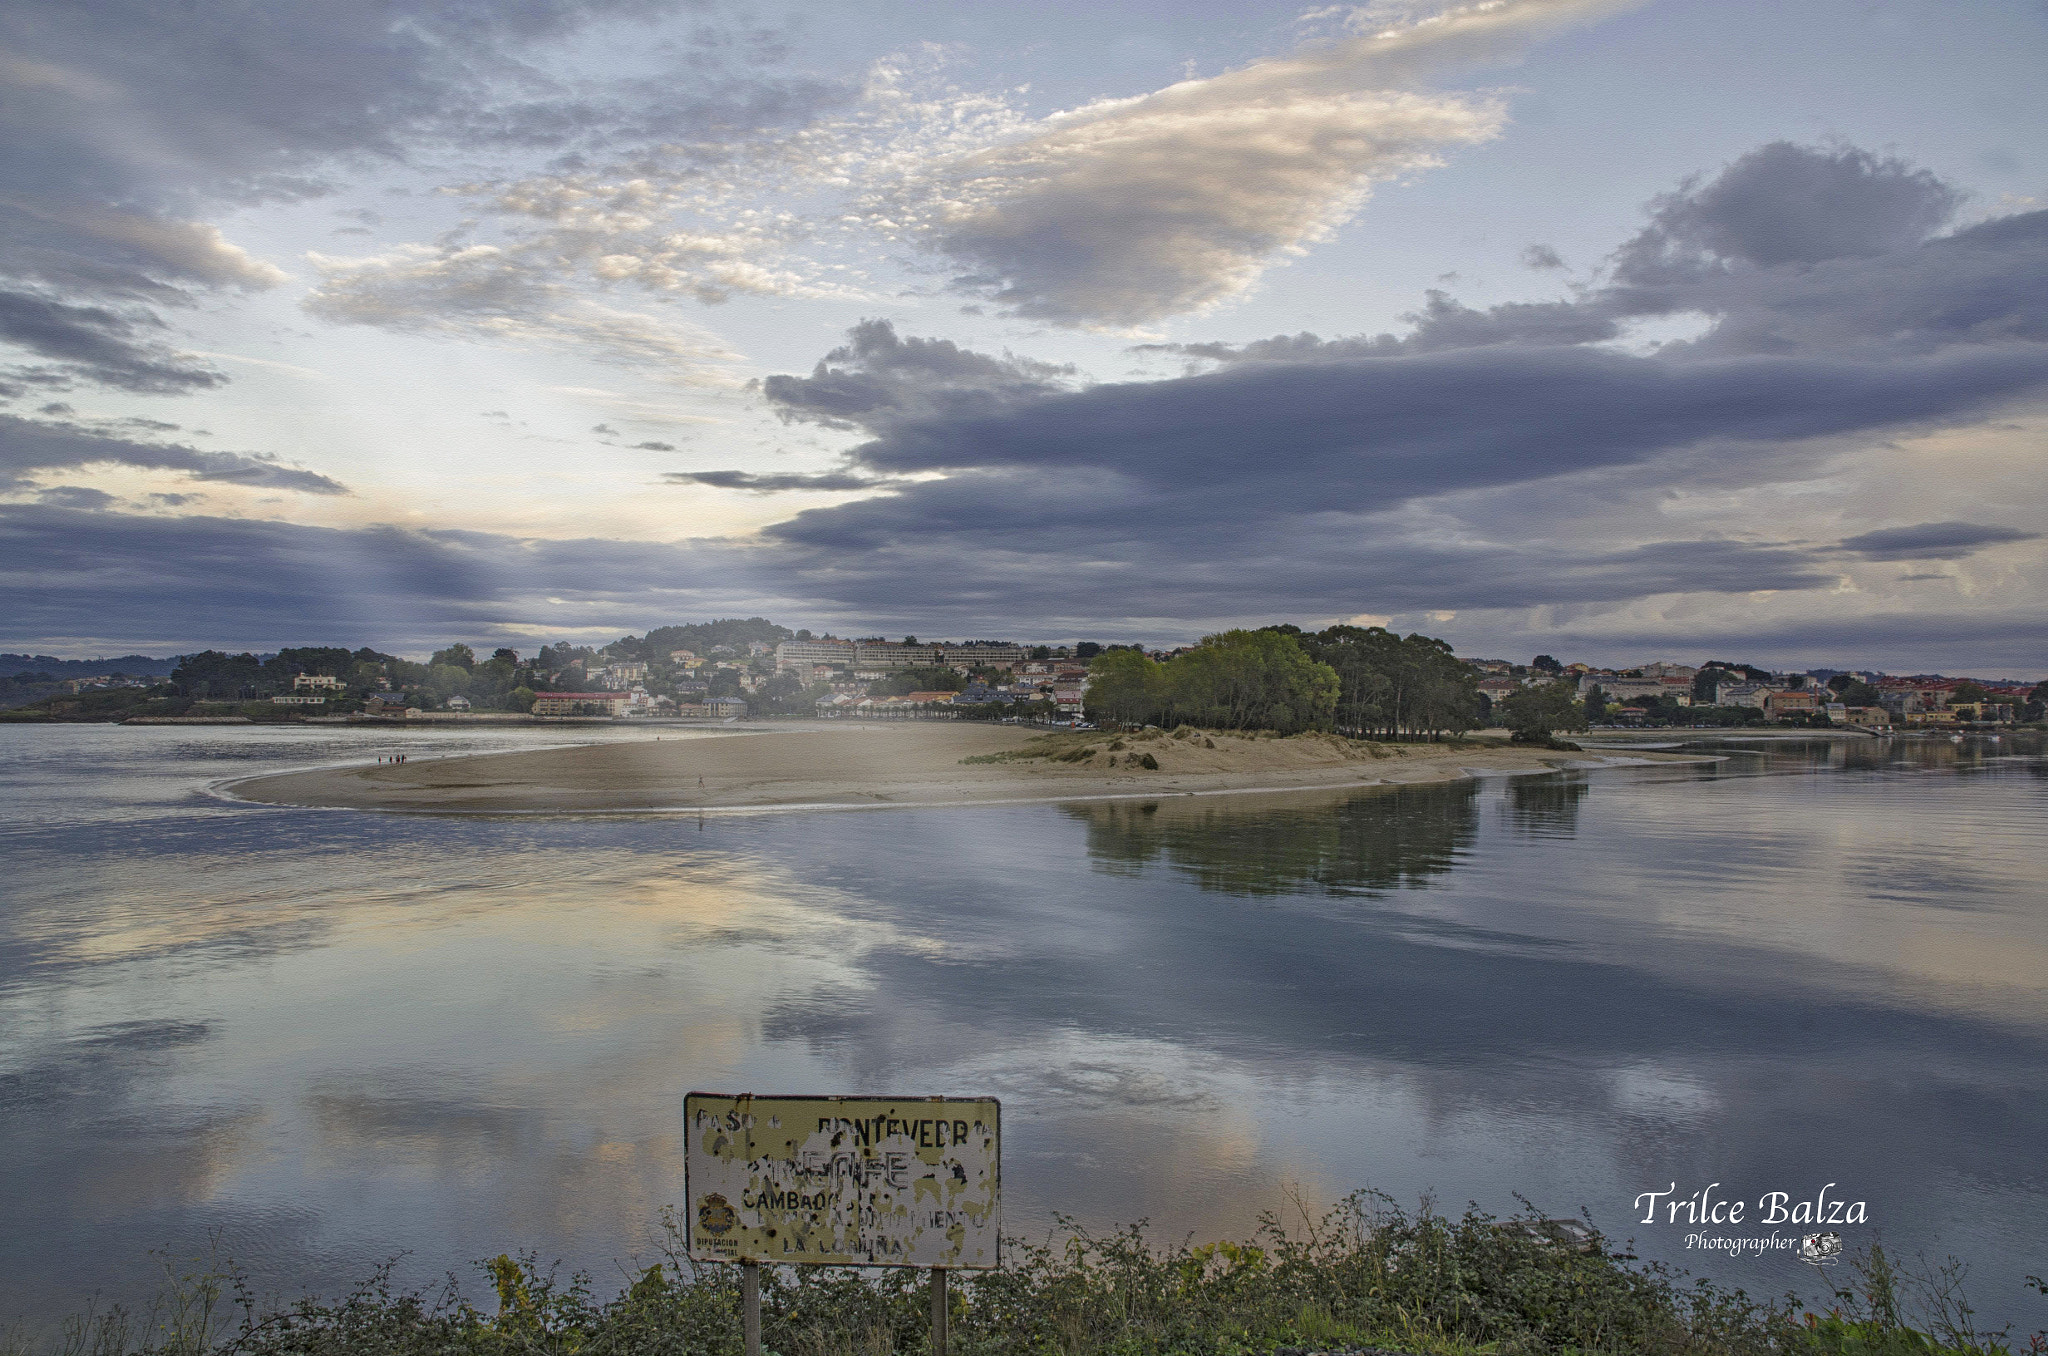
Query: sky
x=1675, y=329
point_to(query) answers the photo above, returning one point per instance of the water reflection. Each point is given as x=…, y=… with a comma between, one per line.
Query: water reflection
x=1546, y=807
x=336, y=1036
x=1366, y=842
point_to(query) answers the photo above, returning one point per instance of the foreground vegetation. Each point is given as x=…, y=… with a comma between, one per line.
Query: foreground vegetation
x=1361, y=1276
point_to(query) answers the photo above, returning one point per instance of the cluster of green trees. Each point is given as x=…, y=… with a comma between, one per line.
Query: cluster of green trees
x=1357, y=680
x=906, y=681
x=501, y=682
x=1236, y=680
x=1536, y=713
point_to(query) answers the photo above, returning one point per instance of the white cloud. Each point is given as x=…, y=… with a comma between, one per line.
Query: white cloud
x=1120, y=212
x=191, y=249
x=1126, y=211
x=503, y=295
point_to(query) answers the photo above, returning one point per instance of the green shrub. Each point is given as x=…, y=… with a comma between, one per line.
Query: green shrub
x=1363, y=1274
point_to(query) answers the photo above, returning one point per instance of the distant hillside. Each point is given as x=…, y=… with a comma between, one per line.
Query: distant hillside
x=137, y=664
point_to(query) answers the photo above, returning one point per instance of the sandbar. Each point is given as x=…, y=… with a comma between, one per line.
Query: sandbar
x=847, y=764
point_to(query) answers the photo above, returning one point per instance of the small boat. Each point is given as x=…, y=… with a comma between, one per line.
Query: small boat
x=1955, y=739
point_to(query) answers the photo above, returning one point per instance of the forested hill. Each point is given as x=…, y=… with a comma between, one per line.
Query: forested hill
x=136, y=665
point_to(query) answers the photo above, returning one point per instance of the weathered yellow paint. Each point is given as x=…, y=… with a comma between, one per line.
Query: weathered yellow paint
x=851, y=1181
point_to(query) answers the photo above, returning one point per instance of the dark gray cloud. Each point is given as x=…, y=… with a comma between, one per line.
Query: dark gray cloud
x=1840, y=260
x=156, y=578
x=1788, y=204
x=189, y=581
x=1932, y=541
x=2000, y=641
x=1360, y=433
x=771, y=484
x=76, y=496
x=99, y=344
x=30, y=446
x=879, y=379
x=1831, y=313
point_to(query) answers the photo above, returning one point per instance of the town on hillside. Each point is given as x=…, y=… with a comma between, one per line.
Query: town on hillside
x=1357, y=680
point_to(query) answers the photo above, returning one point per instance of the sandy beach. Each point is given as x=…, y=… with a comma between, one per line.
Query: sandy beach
x=910, y=763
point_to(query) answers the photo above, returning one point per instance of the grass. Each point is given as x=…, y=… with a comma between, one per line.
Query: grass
x=1364, y=1275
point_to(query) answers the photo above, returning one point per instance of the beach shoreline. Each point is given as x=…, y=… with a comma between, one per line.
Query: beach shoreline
x=897, y=764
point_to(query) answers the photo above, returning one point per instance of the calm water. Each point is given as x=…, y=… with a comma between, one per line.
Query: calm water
x=331, y=1037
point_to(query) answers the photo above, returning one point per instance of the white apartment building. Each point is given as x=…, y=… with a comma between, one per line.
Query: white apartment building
x=802, y=655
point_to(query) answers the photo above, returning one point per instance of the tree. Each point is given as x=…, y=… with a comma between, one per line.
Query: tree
x=1535, y=713
x=1251, y=680
x=1596, y=704
x=505, y=656
x=457, y=655
x=1087, y=649
x=1392, y=685
x=213, y=674
x=1969, y=692
x=1127, y=687
x=906, y=681
x=447, y=680
x=1546, y=663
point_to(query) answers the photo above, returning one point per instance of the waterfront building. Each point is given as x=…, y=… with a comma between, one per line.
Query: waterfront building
x=1784, y=705
x=581, y=703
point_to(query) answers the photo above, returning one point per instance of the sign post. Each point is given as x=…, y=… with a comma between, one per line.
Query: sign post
x=750, y=1307
x=843, y=1181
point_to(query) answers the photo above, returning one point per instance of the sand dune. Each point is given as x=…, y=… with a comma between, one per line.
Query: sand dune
x=909, y=763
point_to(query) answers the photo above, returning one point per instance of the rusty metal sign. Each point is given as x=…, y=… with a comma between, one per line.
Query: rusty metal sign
x=847, y=1181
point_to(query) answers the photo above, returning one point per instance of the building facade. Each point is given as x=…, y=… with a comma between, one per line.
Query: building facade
x=802, y=655
x=581, y=703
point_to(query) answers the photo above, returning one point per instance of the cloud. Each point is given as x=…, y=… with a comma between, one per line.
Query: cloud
x=878, y=379
x=1514, y=466
x=185, y=581
x=97, y=344
x=1126, y=211
x=1116, y=213
x=494, y=294
x=1542, y=256
x=1789, y=204
x=1380, y=473
x=1359, y=433
x=29, y=447
x=1932, y=541
x=775, y=484
x=76, y=496
x=1709, y=251
x=131, y=123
